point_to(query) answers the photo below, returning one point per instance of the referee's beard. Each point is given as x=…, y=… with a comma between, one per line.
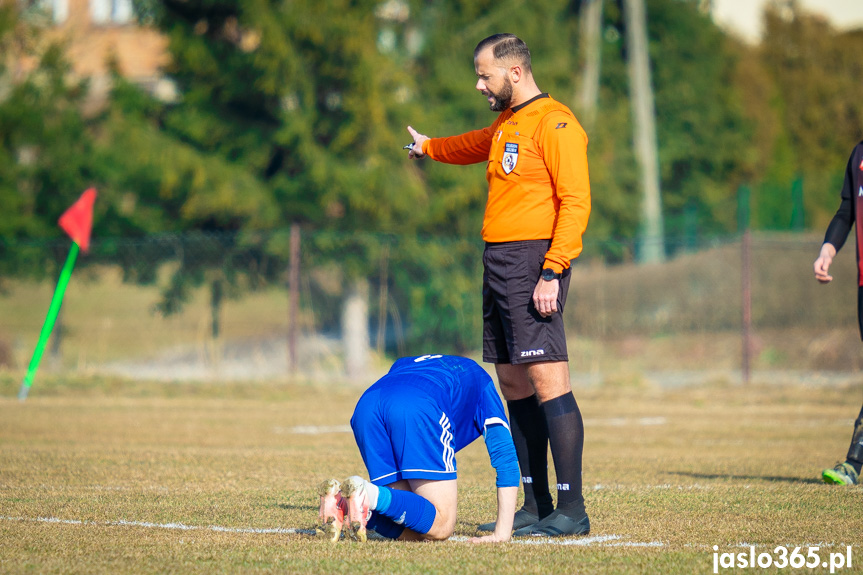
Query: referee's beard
x=501, y=99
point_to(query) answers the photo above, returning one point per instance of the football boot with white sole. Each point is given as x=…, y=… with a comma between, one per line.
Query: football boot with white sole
x=358, y=509
x=333, y=510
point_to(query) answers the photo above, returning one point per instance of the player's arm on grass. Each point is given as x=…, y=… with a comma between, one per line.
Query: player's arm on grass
x=501, y=451
x=506, y=502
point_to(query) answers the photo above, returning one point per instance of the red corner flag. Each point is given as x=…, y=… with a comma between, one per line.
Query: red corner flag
x=77, y=221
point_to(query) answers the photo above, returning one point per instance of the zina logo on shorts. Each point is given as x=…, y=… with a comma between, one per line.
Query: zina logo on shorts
x=563, y=486
x=532, y=352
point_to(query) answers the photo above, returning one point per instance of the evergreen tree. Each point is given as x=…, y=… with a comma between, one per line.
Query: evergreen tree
x=312, y=99
x=46, y=149
x=703, y=137
x=816, y=71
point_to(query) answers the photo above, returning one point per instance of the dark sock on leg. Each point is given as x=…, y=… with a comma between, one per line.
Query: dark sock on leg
x=530, y=435
x=384, y=526
x=855, y=451
x=566, y=436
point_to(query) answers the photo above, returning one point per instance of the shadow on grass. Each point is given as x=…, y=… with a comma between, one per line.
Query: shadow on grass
x=772, y=478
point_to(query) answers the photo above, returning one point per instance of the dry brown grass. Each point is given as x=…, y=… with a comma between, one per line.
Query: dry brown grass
x=106, y=319
x=701, y=291
x=683, y=469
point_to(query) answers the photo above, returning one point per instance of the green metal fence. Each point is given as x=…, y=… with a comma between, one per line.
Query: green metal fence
x=226, y=306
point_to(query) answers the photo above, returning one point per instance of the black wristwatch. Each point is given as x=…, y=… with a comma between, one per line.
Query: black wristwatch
x=549, y=274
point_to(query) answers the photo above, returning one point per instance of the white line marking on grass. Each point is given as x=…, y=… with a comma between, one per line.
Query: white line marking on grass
x=604, y=540
x=51, y=520
x=179, y=526
x=601, y=540
x=583, y=541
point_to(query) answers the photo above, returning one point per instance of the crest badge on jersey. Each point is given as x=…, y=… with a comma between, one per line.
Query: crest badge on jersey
x=861, y=165
x=510, y=157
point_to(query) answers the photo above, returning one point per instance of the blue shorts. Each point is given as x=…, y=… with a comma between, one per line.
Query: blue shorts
x=403, y=434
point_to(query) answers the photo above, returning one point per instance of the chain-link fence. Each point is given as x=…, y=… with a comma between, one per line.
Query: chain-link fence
x=323, y=305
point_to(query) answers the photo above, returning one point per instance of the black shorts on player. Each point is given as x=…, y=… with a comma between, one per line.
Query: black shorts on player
x=513, y=330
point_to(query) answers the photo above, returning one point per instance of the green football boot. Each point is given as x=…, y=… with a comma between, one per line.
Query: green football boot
x=842, y=474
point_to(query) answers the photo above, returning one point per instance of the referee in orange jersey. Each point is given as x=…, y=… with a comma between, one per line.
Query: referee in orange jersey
x=537, y=210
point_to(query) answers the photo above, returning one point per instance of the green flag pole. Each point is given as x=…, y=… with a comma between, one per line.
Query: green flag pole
x=50, y=319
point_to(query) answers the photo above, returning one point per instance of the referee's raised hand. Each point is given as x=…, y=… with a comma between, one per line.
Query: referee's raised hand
x=416, y=151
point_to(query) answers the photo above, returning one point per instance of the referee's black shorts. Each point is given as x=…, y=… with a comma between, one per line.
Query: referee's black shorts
x=513, y=330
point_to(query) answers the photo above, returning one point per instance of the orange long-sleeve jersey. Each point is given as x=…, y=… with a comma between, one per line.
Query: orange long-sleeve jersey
x=538, y=184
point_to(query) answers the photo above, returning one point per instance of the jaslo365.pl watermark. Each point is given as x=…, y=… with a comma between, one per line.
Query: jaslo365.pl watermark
x=781, y=558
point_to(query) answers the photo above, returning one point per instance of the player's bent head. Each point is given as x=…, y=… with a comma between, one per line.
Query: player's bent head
x=506, y=48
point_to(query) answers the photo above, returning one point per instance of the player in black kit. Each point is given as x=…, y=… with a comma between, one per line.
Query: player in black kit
x=848, y=472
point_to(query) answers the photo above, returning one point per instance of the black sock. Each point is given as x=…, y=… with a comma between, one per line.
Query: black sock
x=855, y=451
x=566, y=436
x=530, y=435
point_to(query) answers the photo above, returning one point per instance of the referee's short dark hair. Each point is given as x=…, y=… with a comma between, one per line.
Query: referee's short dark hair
x=506, y=47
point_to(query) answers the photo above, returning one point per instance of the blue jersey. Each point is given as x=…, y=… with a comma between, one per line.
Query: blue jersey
x=411, y=422
x=459, y=386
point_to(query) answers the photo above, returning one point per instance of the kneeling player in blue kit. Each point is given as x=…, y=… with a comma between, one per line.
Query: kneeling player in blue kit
x=408, y=426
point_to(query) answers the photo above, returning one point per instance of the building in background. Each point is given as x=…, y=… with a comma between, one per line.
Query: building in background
x=95, y=32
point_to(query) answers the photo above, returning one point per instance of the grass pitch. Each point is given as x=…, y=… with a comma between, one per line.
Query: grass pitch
x=105, y=476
